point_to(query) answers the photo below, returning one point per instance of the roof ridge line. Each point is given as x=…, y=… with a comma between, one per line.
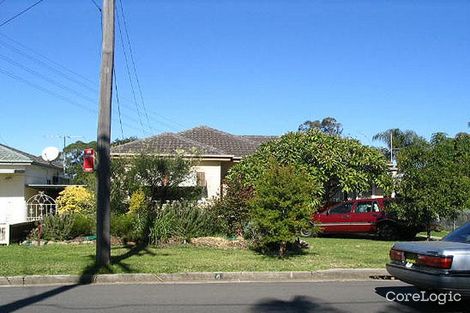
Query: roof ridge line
x=226, y=134
x=182, y=137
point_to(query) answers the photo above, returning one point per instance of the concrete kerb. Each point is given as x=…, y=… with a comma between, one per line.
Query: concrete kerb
x=322, y=275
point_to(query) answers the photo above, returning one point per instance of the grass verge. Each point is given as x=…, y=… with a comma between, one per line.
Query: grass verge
x=436, y=234
x=324, y=253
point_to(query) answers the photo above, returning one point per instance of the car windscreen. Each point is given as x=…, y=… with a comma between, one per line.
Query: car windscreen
x=461, y=234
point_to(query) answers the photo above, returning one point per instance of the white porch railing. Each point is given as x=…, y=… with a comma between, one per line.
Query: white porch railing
x=37, y=212
x=39, y=206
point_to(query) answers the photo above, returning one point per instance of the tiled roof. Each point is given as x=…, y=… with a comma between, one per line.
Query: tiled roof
x=12, y=155
x=201, y=140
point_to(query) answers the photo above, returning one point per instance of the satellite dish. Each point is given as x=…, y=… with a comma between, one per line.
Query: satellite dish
x=50, y=154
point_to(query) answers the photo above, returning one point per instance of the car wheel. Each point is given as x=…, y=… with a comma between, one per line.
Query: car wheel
x=387, y=231
x=305, y=233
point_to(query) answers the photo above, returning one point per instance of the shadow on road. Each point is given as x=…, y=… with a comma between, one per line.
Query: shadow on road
x=391, y=294
x=299, y=304
x=87, y=277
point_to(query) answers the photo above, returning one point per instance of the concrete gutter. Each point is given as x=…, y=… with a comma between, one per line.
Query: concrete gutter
x=323, y=275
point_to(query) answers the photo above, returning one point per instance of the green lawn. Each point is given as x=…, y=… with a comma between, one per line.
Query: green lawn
x=438, y=234
x=324, y=253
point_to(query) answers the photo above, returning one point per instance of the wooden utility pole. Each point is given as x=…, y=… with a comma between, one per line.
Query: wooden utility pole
x=103, y=213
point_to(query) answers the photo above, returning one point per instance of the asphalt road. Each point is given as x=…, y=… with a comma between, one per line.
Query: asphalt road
x=303, y=297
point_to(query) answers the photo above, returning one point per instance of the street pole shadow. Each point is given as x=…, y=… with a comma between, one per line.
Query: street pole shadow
x=408, y=305
x=299, y=304
x=87, y=276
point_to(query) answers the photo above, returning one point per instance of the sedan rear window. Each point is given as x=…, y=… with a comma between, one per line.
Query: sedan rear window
x=461, y=234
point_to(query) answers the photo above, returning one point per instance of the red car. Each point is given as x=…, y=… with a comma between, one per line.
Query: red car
x=361, y=216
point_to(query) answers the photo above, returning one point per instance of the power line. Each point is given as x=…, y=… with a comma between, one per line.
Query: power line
x=24, y=47
x=133, y=62
x=50, y=80
x=11, y=75
x=1, y=138
x=117, y=101
x=75, y=78
x=72, y=75
x=129, y=72
x=1, y=2
x=57, y=95
x=54, y=82
x=96, y=5
x=48, y=66
x=20, y=13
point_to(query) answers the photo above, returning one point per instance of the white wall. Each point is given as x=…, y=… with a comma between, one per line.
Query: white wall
x=12, y=202
x=213, y=172
x=14, y=194
x=40, y=175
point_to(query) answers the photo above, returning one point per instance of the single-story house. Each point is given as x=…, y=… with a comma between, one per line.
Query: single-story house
x=215, y=151
x=23, y=176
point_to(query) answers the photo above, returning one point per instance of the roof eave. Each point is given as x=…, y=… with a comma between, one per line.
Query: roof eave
x=6, y=162
x=211, y=157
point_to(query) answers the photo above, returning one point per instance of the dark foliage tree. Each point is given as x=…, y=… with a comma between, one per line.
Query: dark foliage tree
x=328, y=125
x=434, y=179
x=118, y=142
x=339, y=164
x=283, y=202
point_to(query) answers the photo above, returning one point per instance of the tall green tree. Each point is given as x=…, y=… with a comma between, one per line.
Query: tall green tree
x=434, y=179
x=339, y=164
x=328, y=125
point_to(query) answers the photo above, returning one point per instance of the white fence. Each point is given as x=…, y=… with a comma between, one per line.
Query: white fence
x=459, y=220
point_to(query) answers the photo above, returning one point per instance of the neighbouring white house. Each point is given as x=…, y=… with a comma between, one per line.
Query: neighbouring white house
x=214, y=151
x=22, y=176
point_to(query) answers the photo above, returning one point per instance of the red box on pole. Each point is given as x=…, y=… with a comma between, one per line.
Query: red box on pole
x=89, y=160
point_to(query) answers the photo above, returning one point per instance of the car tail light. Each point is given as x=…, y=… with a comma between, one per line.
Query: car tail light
x=397, y=255
x=444, y=262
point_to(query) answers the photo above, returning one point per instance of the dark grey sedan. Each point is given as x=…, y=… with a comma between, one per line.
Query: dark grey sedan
x=436, y=265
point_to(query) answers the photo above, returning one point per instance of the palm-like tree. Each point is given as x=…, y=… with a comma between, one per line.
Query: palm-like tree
x=396, y=139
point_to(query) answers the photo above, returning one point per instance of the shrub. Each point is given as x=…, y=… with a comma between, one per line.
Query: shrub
x=75, y=199
x=194, y=220
x=128, y=227
x=137, y=202
x=165, y=227
x=183, y=219
x=232, y=209
x=83, y=225
x=58, y=227
x=284, y=200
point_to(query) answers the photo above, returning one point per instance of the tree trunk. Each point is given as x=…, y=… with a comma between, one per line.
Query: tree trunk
x=428, y=231
x=282, y=249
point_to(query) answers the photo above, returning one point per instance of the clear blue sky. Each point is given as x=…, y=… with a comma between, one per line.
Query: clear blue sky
x=242, y=66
